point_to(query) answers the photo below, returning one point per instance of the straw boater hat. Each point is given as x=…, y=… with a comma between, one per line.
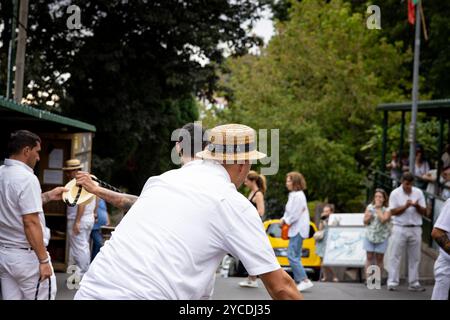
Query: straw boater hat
x=72, y=164
x=232, y=142
x=73, y=196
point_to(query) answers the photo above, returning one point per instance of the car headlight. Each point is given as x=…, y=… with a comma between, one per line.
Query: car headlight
x=280, y=252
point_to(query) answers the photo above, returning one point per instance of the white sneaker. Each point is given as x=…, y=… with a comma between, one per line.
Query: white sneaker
x=249, y=283
x=305, y=285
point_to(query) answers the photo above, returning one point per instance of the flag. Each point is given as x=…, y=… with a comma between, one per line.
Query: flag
x=411, y=11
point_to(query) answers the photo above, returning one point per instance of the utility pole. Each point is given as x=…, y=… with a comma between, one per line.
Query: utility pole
x=21, y=46
x=415, y=92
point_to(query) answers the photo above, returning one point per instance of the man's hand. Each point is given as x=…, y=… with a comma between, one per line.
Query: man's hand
x=409, y=203
x=419, y=208
x=45, y=271
x=416, y=204
x=84, y=179
x=76, y=228
x=54, y=194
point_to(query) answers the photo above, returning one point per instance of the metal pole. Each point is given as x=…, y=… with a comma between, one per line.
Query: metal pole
x=384, y=142
x=415, y=93
x=440, y=142
x=402, y=140
x=11, y=50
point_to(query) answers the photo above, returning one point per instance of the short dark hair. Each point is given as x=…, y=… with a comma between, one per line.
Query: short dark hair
x=21, y=139
x=408, y=176
x=195, y=132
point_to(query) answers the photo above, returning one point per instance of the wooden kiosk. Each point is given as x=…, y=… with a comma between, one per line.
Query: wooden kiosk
x=62, y=139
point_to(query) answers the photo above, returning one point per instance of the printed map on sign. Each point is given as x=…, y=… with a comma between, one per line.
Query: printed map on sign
x=344, y=247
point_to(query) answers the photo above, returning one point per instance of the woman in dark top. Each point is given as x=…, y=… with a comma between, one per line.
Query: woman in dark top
x=257, y=185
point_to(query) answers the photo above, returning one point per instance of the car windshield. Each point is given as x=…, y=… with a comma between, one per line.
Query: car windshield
x=274, y=230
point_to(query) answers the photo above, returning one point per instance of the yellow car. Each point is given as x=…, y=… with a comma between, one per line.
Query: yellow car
x=310, y=260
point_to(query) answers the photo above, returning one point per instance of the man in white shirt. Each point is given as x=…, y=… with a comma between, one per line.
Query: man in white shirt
x=24, y=260
x=444, y=182
x=185, y=221
x=80, y=220
x=446, y=156
x=407, y=206
x=445, y=192
x=441, y=234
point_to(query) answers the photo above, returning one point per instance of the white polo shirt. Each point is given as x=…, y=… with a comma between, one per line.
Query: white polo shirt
x=174, y=237
x=296, y=214
x=443, y=223
x=410, y=216
x=20, y=194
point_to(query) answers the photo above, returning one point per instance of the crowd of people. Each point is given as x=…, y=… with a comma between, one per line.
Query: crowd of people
x=204, y=190
x=425, y=176
x=398, y=219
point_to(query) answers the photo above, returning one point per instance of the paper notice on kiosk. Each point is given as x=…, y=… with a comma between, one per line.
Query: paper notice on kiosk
x=55, y=159
x=53, y=177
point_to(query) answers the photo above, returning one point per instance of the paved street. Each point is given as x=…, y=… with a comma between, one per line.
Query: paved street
x=228, y=289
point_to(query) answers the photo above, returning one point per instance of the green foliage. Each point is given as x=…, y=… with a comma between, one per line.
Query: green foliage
x=134, y=71
x=318, y=81
x=434, y=53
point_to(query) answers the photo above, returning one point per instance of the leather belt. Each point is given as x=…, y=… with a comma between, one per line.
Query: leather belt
x=409, y=226
x=28, y=249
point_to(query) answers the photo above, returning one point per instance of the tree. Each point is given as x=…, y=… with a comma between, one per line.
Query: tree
x=434, y=53
x=134, y=70
x=318, y=81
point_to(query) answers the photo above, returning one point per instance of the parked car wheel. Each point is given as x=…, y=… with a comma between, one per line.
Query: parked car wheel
x=241, y=270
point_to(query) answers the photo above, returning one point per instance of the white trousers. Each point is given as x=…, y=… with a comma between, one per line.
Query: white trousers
x=403, y=240
x=442, y=278
x=19, y=275
x=79, y=245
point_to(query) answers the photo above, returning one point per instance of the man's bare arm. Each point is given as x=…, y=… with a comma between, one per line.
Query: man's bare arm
x=119, y=200
x=422, y=210
x=33, y=232
x=54, y=194
x=280, y=285
x=441, y=238
x=398, y=211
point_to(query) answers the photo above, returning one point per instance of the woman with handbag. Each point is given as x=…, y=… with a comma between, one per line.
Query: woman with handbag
x=296, y=215
x=321, y=240
x=377, y=220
